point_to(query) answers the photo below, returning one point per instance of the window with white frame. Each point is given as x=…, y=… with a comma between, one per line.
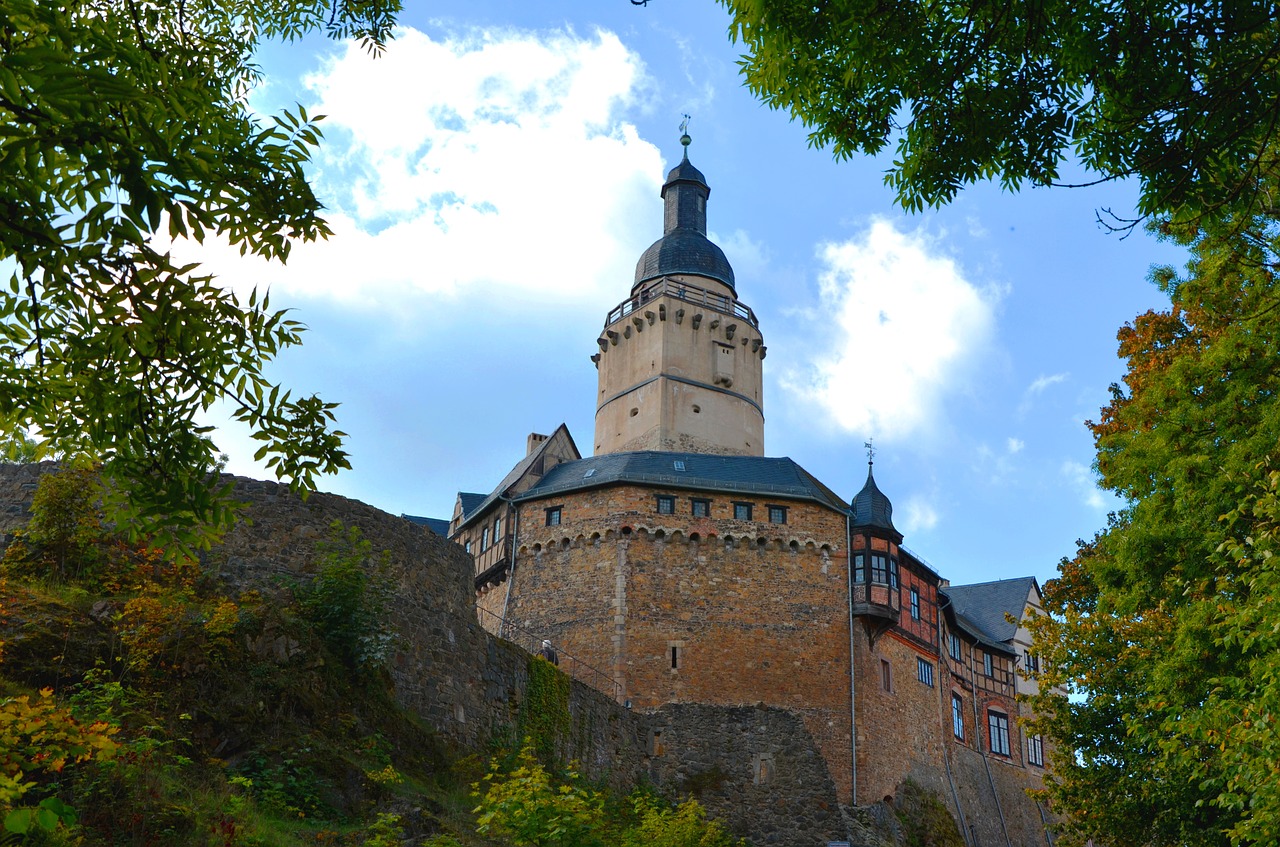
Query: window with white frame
x=484, y=539
x=988, y=665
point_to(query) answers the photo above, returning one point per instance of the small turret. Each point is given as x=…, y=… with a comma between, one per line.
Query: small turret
x=877, y=599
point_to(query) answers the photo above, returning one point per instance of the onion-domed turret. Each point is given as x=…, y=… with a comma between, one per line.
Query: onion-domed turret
x=871, y=508
x=875, y=597
x=684, y=247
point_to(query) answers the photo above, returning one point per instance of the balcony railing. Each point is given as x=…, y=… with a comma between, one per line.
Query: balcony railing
x=692, y=294
x=568, y=663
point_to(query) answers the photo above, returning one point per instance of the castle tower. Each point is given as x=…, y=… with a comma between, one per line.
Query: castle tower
x=680, y=358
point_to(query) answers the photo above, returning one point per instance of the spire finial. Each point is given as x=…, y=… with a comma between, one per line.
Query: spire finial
x=684, y=136
x=871, y=452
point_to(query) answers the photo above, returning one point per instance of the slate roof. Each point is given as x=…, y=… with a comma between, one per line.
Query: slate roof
x=685, y=171
x=984, y=605
x=470, y=502
x=871, y=507
x=756, y=475
x=437, y=525
x=684, y=251
x=471, y=508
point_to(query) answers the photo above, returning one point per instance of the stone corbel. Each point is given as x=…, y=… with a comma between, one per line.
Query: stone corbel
x=613, y=337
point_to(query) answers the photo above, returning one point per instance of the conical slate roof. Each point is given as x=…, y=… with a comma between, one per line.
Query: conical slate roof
x=871, y=507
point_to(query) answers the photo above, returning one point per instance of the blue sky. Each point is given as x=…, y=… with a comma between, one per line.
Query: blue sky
x=493, y=178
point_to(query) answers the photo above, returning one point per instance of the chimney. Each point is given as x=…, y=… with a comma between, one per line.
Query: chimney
x=534, y=440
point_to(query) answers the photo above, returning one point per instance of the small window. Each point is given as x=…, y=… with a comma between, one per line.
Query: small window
x=678, y=464
x=953, y=646
x=742, y=511
x=998, y=728
x=988, y=665
x=553, y=516
x=675, y=657
x=700, y=508
x=590, y=473
x=915, y=605
x=924, y=672
x=859, y=568
x=467, y=547
x=1033, y=662
x=666, y=504
x=497, y=529
x=484, y=539
x=1035, y=750
x=777, y=514
x=886, y=675
x=957, y=716
x=893, y=574
x=879, y=568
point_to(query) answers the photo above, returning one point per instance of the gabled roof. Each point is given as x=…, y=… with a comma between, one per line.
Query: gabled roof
x=985, y=604
x=437, y=525
x=757, y=475
x=509, y=481
x=470, y=502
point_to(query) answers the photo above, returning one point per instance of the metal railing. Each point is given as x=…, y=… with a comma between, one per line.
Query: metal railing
x=568, y=663
x=688, y=293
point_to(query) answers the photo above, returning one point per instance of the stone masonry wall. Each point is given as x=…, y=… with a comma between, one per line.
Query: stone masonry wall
x=756, y=768
x=703, y=610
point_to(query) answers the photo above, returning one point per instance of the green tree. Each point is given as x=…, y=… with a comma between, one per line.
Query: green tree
x=124, y=120
x=346, y=601
x=18, y=448
x=1183, y=96
x=1166, y=621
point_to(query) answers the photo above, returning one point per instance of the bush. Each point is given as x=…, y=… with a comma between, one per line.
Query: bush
x=346, y=601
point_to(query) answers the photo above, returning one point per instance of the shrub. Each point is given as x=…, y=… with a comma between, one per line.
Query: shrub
x=346, y=601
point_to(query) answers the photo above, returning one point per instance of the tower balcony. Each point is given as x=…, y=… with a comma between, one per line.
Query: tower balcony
x=877, y=601
x=686, y=292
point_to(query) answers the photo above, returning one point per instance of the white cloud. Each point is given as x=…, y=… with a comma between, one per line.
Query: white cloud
x=1015, y=445
x=920, y=515
x=489, y=161
x=1037, y=387
x=1082, y=479
x=905, y=329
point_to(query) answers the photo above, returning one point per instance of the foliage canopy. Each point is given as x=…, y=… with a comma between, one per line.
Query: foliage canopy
x=1166, y=620
x=125, y=121
x=1183, y=96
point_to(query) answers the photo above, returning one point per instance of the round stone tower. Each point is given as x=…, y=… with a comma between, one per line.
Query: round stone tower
x=680, y=358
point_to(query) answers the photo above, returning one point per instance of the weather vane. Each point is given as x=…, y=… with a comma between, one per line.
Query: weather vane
x=871, y=452
x=684, y=132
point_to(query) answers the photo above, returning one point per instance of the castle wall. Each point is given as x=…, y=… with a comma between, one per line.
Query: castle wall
x=710, y=610
x=776, y=775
